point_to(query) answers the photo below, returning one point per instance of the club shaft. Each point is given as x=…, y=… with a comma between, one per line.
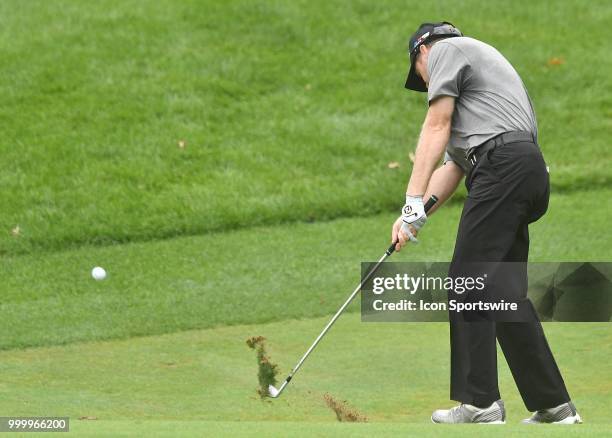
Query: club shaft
x=430, y=203
x=333, y=320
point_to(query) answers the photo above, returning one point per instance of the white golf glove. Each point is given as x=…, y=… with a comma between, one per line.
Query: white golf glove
x=413, y=213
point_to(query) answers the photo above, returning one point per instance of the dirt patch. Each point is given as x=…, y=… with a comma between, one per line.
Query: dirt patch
x=343, y=411
x=267, y=370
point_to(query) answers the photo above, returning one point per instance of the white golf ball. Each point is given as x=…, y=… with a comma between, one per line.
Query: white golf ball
x=98, y=273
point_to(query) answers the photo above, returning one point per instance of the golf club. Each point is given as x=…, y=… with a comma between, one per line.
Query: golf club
x=272, y=390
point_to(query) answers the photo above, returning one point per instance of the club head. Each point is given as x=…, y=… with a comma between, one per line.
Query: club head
x=273, y=392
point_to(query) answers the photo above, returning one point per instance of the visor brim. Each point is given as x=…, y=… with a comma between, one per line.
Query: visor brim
x=414, y=81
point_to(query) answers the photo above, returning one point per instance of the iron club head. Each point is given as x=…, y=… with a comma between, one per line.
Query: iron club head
x=273, y=391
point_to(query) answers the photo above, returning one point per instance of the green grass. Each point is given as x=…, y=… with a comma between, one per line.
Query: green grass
x=301, y=429
x=290, y=110
x=247, y=276
x=393, y=373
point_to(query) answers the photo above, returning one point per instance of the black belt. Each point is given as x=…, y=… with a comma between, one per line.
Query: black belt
x=474, y=154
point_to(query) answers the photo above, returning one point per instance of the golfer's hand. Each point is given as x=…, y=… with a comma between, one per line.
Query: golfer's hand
x=397, y=235
x=413, y=216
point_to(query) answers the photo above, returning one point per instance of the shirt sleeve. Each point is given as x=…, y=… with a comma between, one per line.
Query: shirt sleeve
x=447, y=67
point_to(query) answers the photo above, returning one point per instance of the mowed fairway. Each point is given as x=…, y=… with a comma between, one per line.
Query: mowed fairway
x=227, y=163
x=204, y=381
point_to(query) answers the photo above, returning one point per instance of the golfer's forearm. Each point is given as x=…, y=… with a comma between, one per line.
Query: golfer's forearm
x=443, y=183
x=432, y=142
x=428, y=153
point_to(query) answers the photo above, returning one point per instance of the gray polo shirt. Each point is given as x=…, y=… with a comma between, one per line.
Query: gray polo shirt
x=490, y=97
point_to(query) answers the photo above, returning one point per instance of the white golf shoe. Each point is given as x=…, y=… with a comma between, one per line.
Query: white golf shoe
x=464, y=413
x=562, y=414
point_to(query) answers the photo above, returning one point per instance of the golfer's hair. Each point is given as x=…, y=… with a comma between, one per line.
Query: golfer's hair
x=436, y=39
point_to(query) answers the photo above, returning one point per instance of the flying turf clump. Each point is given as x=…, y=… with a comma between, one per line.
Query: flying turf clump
x=267, y=370
x=343, y=411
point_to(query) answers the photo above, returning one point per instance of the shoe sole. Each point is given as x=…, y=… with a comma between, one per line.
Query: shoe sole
x=573, y=419
x=482, y=422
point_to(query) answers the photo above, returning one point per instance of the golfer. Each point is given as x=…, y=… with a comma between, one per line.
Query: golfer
x=481, y=124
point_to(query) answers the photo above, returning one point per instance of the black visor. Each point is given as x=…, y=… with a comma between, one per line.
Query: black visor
x=426, y=33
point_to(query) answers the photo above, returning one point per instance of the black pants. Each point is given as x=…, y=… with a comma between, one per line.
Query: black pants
x=507, y=189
